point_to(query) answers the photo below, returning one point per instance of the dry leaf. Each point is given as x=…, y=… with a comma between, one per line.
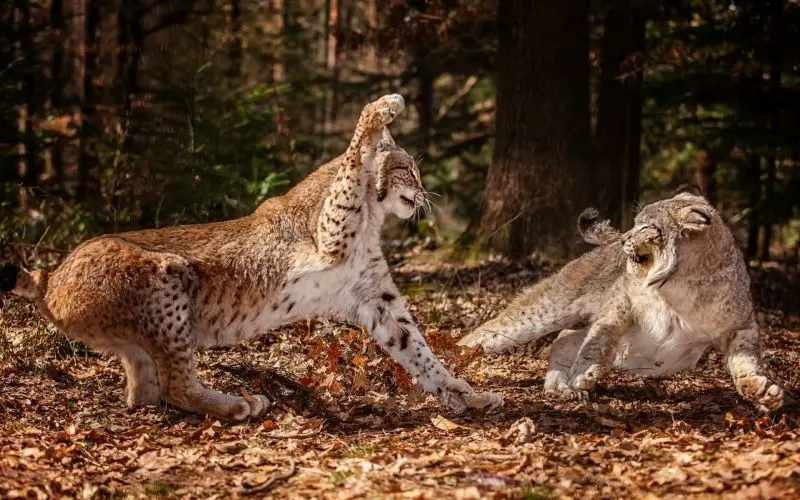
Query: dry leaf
x=446, y=425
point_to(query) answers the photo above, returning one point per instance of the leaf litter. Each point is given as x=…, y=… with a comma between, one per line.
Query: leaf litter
x=347, y=422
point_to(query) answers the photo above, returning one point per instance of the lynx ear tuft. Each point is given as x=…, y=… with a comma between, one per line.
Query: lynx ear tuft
x=695, y=218
x=690, y=188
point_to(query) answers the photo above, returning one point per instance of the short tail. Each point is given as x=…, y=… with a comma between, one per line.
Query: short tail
x=595, y=231
x=20, y=282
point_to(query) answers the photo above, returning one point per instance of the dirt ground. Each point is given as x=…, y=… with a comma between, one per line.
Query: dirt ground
x=347, y=422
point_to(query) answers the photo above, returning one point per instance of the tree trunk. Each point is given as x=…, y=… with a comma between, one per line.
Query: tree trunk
x=87, y=159
x=767, y=217
x=752, y=181
x=331, y=61
x=425, y=102
x=57, y=25
x=705, y=176
x=619, y=113
x=130, y=39
x=539, y=179
x=8, y=134
x=31, y=165
x=776, y=57
x=235, y=45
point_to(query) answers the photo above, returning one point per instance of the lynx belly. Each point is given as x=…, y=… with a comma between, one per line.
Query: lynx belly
x=660, y=343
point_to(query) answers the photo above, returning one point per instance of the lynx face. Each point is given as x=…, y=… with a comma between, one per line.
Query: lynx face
x=399, y=184
x=662, y=231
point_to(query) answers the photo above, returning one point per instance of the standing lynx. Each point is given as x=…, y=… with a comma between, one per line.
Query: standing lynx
x=650, y=301
x=153, y=297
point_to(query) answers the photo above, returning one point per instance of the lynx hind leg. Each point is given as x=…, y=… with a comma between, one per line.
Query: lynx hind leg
x=744, y=364
x=171, y=344
x=177, y=373
x=536, y=313
x=563, y=353
x=140, y=374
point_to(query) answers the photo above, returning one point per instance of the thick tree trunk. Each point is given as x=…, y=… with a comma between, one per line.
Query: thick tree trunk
x=619, y=113
x=539, y=180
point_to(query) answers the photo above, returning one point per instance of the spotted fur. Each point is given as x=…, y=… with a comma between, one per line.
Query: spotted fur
x=153, y=297
x=654, y=299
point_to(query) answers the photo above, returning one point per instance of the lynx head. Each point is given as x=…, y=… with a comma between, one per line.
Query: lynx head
x=663, y=233
x=397, y=179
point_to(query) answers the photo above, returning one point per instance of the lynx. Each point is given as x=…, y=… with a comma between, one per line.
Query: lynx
x=649, y=301
x=153, y=297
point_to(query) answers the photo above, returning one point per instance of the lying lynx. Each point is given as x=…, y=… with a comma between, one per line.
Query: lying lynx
x=651, y=301
x=153, y=297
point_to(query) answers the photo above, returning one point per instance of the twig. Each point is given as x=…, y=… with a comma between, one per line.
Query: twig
x=272, y=480
x=266, y=375
x=295, y=435
x=463, y=91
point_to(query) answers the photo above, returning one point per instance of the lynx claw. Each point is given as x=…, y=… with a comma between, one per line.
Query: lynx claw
x=758, y=388
x=772, y=400
x=389, y=106
x=459, y=396
x=569, y=394
x=250, y=406
x=583, y=383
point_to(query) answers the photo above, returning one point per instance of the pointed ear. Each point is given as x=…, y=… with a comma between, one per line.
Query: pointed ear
x=387, y=141
x=695, y=217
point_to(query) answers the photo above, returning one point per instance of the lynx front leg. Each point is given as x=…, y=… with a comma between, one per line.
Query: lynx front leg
x=342, y=209
x=742, y=350
x=563, y=353
x=390, y=324
x=596, y=355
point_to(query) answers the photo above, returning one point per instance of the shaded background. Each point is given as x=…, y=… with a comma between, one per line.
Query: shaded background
x=124, y=114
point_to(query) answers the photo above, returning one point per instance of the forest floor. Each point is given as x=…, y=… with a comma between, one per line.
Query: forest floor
x=347, y=423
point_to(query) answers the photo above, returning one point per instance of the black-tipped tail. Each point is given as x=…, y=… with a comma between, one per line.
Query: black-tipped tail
x=8, y=277
x=594, y=230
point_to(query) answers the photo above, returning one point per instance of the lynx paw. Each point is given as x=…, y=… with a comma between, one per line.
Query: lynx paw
x=565, y=392
x=388, y=107
x=250, y=406
x=459, y=396
x=143, y=394
x=758, y=388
